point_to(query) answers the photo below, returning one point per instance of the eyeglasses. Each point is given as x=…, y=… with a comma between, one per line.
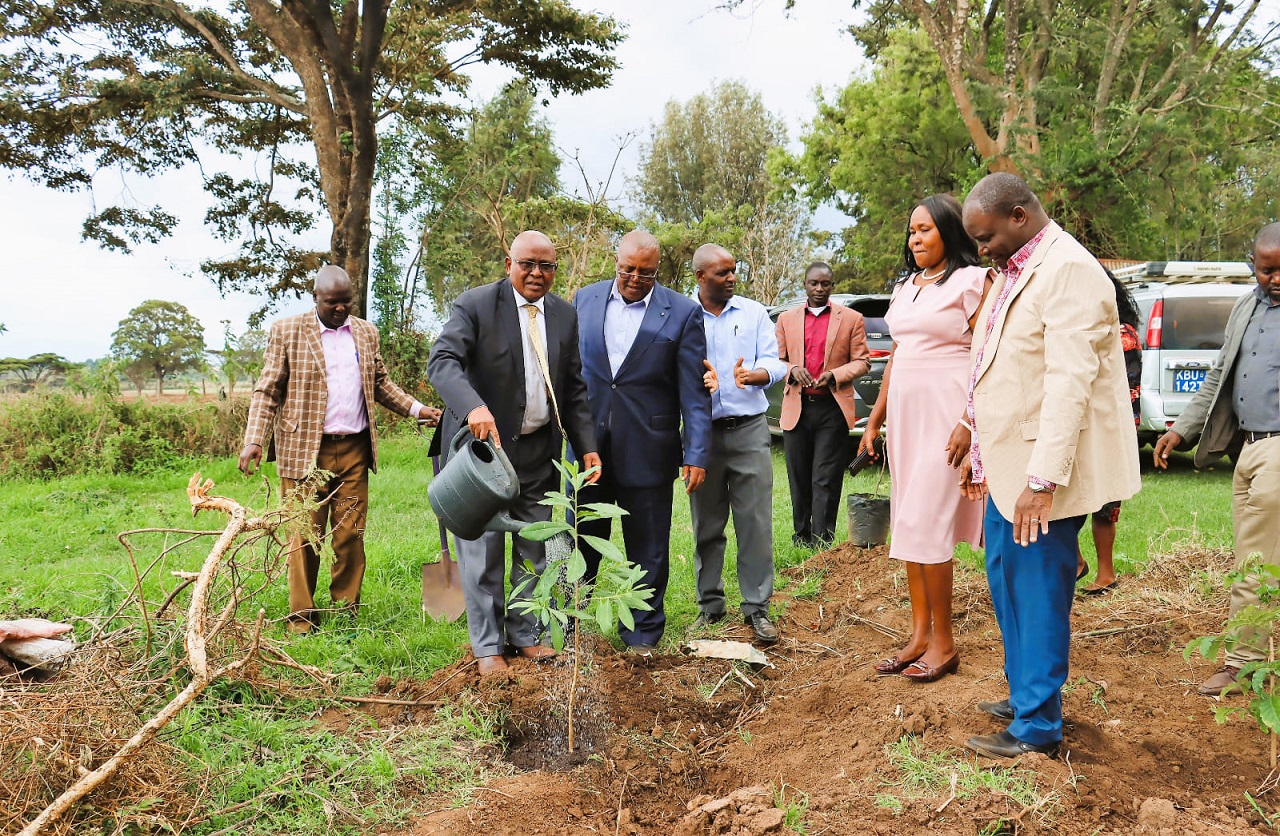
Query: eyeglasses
x=544, y=266
x=640, y=275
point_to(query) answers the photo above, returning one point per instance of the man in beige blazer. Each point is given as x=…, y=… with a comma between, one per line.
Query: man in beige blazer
x=825, y=349
x=1052, y=442
x=321, y=376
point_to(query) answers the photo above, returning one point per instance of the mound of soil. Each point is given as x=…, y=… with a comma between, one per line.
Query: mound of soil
x=694, y=746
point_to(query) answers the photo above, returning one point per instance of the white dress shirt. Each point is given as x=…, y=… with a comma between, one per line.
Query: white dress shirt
x=621, y=324
x=537, y=409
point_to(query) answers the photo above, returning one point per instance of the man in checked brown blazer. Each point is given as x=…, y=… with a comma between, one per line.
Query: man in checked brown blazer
x=825, y=349
x=321, y=376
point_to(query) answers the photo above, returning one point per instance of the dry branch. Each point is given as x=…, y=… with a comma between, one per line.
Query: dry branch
x=197, y=632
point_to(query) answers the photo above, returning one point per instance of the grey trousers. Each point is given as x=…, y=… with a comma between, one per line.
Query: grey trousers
x=739, y=479
x=491, y=624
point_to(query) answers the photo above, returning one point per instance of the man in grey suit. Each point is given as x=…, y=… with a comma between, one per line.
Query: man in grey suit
x=1238, y=409
x=491, y=364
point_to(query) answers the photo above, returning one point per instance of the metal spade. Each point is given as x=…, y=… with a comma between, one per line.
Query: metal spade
x=441, y=584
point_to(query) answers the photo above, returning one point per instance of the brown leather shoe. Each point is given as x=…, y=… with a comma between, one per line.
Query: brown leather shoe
x=490, y=665
x=536, y=652
x=1221, y=683
x=892, y=665
x=918, y=671
x=300, y=626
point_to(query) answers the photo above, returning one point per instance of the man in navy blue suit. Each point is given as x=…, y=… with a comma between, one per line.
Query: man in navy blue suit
x=643, y=350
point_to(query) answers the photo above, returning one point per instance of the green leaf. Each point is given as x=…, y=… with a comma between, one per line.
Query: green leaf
x=625, y=616
x=606, y=548
x=1268, y=711
x=544, y=530
x=568, y=472
x=557, y=634
x=557, y=500
x=604, y=615
x=518, y=591
x=577, y=567
x=546, y=585
x=605, y=509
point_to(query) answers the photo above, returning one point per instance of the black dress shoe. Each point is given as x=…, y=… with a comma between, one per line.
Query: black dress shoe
x=1004, y=745
x=704, y=621
x=763, y=628
x=997, y=708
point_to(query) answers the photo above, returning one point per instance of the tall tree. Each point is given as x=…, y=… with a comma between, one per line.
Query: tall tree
x=151, y=85
x=885, y=140
x=709, y=154
x=705, y=176
x=1149, y=129
x=502, y=178
x=242, y=356
x=158, y=339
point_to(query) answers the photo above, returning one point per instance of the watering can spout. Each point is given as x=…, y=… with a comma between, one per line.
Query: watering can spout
x=502, y=522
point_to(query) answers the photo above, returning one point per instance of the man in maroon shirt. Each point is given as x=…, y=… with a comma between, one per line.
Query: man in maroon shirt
x=825, y=348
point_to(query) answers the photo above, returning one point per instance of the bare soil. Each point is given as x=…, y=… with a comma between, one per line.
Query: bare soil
x=675, y=744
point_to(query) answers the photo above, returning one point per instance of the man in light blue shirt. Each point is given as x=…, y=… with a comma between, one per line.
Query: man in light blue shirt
x=742, y=345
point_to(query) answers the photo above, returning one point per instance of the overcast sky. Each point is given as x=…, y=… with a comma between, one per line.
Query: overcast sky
x=67, y=297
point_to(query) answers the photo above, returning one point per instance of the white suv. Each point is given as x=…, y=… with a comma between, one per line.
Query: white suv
x=1184, y=307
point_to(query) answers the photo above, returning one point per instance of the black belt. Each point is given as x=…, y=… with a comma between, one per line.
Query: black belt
x=1250, y=437
x=732, y=422
x=340, y=436
x=811, y=398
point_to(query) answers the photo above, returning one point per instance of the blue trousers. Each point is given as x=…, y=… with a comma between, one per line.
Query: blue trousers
x=1032, y=588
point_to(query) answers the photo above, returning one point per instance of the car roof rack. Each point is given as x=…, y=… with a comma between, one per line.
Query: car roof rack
x=1186, y=271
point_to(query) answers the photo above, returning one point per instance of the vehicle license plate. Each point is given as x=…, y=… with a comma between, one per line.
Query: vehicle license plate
x=1188, y=380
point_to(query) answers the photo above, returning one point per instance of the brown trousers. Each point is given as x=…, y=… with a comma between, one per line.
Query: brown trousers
x=343, y=514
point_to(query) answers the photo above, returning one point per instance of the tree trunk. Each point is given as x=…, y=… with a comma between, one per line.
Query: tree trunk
x=160, y=385
x=335, y=57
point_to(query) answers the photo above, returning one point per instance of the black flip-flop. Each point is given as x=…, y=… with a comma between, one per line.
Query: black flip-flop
x=1102, y=590
x=1080, y=575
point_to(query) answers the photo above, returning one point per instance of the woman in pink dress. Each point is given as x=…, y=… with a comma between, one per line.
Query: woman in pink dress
x=923, y=394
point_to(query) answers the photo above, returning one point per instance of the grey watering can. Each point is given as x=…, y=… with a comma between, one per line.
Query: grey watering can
x=474, y=488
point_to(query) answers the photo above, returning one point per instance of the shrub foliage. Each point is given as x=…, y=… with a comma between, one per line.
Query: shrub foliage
x=49, y=436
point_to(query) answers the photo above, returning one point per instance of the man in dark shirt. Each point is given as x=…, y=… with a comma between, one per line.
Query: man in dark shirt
x=1239, y=404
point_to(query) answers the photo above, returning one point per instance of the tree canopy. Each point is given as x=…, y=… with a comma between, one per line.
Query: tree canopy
x=709, y=154
x=705, y=175
x=880, y=144
x=37, y=369
x=1148, y=129
x=146, y=86
x=158, y=339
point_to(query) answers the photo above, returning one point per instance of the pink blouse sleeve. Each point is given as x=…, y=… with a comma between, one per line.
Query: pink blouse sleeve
x=972, y=281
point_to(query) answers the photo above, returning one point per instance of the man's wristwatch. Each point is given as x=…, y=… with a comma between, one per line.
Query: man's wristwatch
x=1041, y=487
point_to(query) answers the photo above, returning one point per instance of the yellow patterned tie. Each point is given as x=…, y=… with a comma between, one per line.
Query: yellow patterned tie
x=542, y=362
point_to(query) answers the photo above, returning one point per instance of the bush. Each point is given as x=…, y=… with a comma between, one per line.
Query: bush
x=50, y=436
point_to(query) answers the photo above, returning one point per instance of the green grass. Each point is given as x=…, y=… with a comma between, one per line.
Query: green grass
x=59, y=558
x=929, y=774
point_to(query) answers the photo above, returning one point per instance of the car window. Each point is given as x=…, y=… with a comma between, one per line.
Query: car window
x=1196, y=322
x=873, y=311
x=876, y=326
